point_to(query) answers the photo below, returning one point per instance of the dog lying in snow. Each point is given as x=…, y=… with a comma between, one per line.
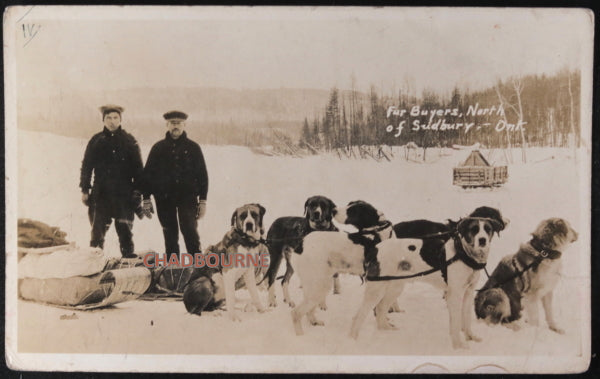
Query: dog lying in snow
x=285, y=238
x=327, y=253
x=523, y=279
x=462, y=256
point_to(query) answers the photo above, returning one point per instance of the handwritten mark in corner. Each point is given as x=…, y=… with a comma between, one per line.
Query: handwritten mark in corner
x=30, y=31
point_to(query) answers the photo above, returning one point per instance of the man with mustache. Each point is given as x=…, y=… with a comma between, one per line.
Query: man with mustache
x=175, y=173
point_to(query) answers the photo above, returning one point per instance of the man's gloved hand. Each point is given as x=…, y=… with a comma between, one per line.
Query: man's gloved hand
x=148, y=209
x=201, y=209
x=85, y=199
x=138, y=208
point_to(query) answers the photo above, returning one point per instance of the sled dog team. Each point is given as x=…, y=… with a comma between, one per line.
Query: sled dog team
x=449, y=256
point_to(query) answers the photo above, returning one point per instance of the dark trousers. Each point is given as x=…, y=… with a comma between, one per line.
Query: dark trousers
x=175, y=214
x=101, y=212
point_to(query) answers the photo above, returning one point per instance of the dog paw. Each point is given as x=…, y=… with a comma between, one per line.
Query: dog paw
x=316, y=322
x=336, y=291
x=323, y=306
x=513, y=326
x=556, y=329
x=272, y=304
x=217, y=313
x=472, y=337
x=354, y=335
x=233, y=316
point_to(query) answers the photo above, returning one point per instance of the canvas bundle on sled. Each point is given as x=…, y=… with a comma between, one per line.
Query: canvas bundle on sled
x=67, y=276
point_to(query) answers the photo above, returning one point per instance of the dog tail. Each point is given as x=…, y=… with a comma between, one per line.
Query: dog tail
x=273, y=267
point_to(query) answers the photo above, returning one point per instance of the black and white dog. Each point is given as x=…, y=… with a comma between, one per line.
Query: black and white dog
x=285, y=238
x=526, y=278
x=458, y=249
x=327, y=253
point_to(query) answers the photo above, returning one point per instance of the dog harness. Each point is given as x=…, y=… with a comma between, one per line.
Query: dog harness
x=543, y=254
x=461, y=254
x=368, y=238
x=243, y=239
x=423, y=273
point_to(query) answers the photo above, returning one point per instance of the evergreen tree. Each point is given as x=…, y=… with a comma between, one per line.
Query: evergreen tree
x=306, y=136
x=316, y=139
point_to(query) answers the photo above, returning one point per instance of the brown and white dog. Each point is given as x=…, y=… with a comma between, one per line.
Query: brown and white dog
x=463, y=256
x=244, y=237
x=327, y=253
x=285, y=239
x=522, y=280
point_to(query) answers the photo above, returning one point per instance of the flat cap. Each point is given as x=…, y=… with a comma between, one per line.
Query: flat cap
x=171, y=115
x=108, y=108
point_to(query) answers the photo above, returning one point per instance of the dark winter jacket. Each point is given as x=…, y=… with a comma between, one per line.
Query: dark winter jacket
x=115, y=160
x=175, y=168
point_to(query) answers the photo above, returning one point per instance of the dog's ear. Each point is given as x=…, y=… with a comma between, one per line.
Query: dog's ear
x=498, y=226
x=306, y=205
x=462, y=226
x=262, y=211
x=234, y=218
x=332, y=207
x=451, y=224
x=261, y=214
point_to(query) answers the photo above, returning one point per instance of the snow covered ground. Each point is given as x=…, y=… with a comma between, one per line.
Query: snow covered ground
x=549, y=185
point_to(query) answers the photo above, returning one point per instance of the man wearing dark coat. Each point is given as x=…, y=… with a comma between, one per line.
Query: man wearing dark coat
x=175, y=173
x=113, y=157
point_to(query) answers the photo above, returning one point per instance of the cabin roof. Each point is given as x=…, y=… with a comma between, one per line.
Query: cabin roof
x=475, y=159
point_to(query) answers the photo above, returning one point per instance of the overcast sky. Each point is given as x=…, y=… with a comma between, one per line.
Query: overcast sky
x=307, y=49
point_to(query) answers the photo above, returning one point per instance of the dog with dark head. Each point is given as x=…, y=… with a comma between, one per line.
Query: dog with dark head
x=327, y=253
x=476, y=231
x=319, y=211
x=522, y=280
x=285, y=237
x=459, y=248
x=202, y=292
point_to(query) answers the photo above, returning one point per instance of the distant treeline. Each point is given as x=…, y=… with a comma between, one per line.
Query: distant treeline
x=534, y=110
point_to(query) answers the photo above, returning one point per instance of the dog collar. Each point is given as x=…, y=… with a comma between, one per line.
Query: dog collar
x=244, y=239
x=544, y=253
x=376, y=229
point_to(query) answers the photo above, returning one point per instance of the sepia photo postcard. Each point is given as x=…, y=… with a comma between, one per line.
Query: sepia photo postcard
x=298, y=189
